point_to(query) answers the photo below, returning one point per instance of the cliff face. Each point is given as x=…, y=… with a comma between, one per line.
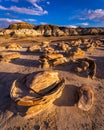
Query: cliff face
x=23, y=29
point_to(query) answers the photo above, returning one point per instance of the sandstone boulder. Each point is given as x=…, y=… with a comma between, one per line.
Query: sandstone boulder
x=34, y=48
x=37, y=91
x=59, y=61
x=14, y=46
x=86, y=98
x=77, y=53
x=8, y=56
x=86, y=65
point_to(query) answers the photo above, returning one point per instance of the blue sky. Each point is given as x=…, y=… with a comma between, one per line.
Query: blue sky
x=70, y=13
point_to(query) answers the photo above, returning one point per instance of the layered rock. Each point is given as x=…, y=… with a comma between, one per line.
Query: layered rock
x=9, y=56
x=14, y=46
x=86, y=98
x=37, y=91
x=24, y=29
x=86, y=67
x=21, y=25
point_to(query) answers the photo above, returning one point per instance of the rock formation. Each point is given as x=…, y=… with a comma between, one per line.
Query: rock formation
x=14, y=46
x=86, y=98
x=86, y=65
x=9, y=56
x=34, y=48
x=37, y=90
x=23, y=29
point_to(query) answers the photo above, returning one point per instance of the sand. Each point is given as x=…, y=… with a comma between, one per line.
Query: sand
x=63, y=113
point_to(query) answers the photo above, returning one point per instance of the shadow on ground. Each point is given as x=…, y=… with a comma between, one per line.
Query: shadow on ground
x=6, y=103
x=69, y=96
x=26, y=62
x=99, y=66
x=6, y=80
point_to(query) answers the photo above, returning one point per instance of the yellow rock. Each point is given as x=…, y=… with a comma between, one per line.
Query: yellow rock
x=8, y=56
x=59, y=61
x=34, y=48
x=14, y=46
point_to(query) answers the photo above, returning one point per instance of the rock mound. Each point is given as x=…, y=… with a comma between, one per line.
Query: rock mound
x=86, y=98
x=37, y=91
x=9, y=56
x=21, y=25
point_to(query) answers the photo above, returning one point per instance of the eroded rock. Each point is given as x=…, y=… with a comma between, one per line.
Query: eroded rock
x=77, y=53
x=86, y=98
x=59, y=61
x=14, y=46
x=86, y=65
x=34, y=48
x=37, y=91
x=54, y=59
x=8, y=56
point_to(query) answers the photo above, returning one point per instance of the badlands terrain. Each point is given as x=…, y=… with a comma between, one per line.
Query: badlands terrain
x=23, y=56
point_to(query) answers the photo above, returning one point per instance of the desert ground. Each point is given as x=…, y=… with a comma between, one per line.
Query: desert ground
x=62, y=113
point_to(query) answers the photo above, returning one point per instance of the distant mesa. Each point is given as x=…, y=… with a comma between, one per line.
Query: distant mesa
x=24, y=29
x=21, y=25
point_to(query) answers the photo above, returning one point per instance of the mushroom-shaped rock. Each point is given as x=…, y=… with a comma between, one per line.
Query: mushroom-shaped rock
x=8, y=56
x=37, y=90
x=86, y=98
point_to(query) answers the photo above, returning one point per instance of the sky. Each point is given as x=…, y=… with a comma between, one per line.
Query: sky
x=70, y=13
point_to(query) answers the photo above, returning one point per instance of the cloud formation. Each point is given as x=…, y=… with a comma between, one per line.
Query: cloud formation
x=36, y=10
x=83, y=24
x=24, y=10
x=30, y=20
x=43, y=23
x=96, y=15
x=16, y=20
x=48, y=3
x=71, y=26
x=9, y=20
x=5, y=22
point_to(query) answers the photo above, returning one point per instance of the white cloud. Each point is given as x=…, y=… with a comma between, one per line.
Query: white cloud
x=84, y=24
x=5, y=22
x=24, y=10
x=43, y=23
x=36, y=10
x=96, y=15
x=9, y=20
x=2, y=8
x=30, y=20
x=39, y=8
x=72, y=26
x=48, y=3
